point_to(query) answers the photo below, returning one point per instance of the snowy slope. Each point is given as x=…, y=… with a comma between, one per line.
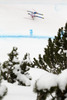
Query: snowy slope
x=19, y=92
x=15, y=14
x=32, y=46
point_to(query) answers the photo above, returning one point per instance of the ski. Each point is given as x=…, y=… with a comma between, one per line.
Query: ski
x=39, y=17
x=35, y=12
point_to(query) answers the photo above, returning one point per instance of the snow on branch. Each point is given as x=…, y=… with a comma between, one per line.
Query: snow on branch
x=46, y=81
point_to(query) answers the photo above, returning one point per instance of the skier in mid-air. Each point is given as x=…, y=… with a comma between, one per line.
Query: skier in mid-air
x=35, y=14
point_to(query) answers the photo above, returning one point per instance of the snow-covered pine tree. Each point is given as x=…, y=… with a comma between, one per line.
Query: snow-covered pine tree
x=24, y=78
x=49, y=55
x=54, y=58
x=47, y=62
x=13, y=70
x=54, y=93
x=51, y=87
x=3, y=89
x=64, y=45
x=25, y=63
x=60, y=42
x=8, y=66
x=5, y=69
x=0, y=75
x=39, y=63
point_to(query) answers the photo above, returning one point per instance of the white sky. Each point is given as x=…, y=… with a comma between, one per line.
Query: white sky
x=12, y=21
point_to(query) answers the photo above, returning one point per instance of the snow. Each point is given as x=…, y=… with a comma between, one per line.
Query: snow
x=24, y=45
x=15, y=59
x=28, y=75
x=3, y=89
x=19, y=92
x=10, y=63
x=48, y=80
x=4, y=70
x=22, y=78
x=65, y=51
x=35, y=73
x=17, y=69
x=27, y=59
x=59, y=51
x=62, y=80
